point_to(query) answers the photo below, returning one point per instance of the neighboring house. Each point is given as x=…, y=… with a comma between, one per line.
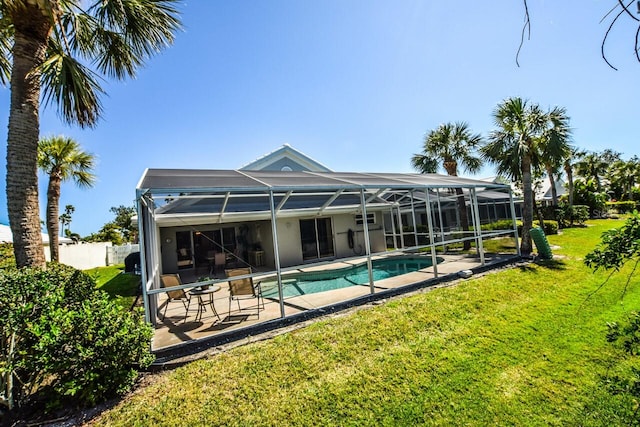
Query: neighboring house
x=286, y=159
x=6, y=236
x=543, y=190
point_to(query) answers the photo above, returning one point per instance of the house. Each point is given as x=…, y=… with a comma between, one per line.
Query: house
x=6, y=236
x=286, y=214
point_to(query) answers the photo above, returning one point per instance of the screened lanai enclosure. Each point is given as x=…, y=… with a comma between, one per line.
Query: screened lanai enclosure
x=225, y=250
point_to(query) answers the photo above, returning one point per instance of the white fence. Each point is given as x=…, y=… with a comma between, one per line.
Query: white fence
x=84, y=255
x=117, y=254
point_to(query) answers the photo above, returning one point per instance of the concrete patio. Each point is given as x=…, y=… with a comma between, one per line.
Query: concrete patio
x=177, y=330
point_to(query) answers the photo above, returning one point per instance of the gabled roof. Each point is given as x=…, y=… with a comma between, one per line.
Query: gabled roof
x=286, y=158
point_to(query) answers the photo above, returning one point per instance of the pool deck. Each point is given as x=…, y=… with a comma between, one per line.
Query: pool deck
x=176, y=330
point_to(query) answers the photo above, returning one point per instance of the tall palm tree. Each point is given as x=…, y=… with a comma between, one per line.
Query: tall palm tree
x=44, y=45
x=65, y=220
x=569, y=165
x=514, y=147
x=454, y=144
x=555, y=146
x=62, y=159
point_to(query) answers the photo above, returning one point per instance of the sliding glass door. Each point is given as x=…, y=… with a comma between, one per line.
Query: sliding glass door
x=316, y=236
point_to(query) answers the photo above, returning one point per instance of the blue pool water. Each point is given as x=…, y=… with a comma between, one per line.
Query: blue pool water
x=319, y=281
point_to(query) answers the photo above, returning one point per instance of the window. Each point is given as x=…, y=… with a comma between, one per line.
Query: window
x=371, y=218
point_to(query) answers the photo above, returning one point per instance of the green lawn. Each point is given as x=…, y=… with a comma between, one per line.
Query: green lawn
x=524, y=346
x=118, y=284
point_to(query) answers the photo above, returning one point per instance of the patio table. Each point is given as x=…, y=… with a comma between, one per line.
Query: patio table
x=202, y=303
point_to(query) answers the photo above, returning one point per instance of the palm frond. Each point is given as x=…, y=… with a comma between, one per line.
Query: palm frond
x=131, y=31
x=6, y=42
x=72, y=86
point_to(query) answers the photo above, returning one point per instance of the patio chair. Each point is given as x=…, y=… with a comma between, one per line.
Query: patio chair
x=179, y=295
x=220, y=260
x=243, y=288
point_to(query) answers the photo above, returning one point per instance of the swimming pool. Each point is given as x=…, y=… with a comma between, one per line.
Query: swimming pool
x=318, y=281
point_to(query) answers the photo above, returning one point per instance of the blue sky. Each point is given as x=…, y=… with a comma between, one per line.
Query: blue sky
x=354, y=84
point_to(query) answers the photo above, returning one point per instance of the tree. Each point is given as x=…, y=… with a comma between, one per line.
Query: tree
x=621, y=10
x=555, y=146
x=44, y=46
x=62, y=159
x=453, y=144
x=618, y=246
x=65, y=220
x=124, y=221
x=119, y=230
x=593, y=165
x=623, y=177
x=569, y=165
x=524, y=131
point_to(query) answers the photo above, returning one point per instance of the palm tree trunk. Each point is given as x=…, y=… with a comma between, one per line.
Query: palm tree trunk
x=464, y=217
x=554, y=191
x=53, y=207
x=32, y=29
x=569, y=171
x=527, y=209
x=452, y=170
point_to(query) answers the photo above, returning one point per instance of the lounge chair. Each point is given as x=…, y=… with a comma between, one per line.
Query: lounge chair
x=178, y=295
x=243, y=288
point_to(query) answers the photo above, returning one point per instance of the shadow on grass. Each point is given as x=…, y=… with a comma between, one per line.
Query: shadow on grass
x=553, y=264
x=122, y=285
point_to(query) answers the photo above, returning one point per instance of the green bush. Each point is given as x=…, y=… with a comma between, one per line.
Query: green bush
x=574, y=214
x=503, y=224
x=586, y=193
x=622, y=207
x=7, y=260
x=64, y=341
x=550, y=227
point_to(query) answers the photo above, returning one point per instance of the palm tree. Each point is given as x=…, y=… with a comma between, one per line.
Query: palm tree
x=569, y=165
x=44, y=45
x=593, y=165
x=62, y=159
x=65, y=220
x=454, y=144
x=555, y=146
x=623, y=177
x=515, y=149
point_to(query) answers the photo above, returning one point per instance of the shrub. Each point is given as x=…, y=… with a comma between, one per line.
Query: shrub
x=502, y=224
x=63, y=339
x=622, y=207
x=574, y=214
x=550, y=227
x=586, y=193
x=7, y=260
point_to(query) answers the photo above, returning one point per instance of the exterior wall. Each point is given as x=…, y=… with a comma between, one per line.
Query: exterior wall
x=169, y=249
x=260, y=233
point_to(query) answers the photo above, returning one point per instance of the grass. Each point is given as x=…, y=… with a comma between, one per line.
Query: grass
x=118, y=284
x=524, y=346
